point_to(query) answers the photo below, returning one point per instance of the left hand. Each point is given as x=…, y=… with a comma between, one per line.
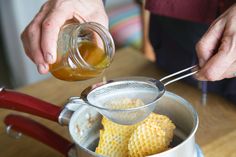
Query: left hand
x=217, y=48
x=40, y=37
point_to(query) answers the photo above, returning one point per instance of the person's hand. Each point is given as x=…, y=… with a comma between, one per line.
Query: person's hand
x=217, y=48
x=40, y=36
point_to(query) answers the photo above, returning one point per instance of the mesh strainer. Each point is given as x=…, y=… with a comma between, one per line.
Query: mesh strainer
x=105, y=97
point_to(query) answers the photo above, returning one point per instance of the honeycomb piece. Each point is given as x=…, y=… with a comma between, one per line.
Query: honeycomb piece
x=164, y=122
x=152, y=135
x=114, y=139
x=124, y=130
x=112, y=145
x=149, y=138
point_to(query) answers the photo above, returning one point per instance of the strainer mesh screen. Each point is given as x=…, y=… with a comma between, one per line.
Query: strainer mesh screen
x=126, y=102
x=106, y=95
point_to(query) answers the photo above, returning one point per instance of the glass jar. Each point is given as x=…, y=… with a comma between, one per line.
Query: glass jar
x=83, y=51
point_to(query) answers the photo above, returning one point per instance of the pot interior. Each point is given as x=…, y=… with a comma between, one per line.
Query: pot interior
x=86, y=122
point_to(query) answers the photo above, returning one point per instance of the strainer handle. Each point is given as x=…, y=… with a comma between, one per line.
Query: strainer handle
x=181, y=74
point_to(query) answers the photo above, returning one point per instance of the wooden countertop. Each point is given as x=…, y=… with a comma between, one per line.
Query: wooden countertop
x=216, y=134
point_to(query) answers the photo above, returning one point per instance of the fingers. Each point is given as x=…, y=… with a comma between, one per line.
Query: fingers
x=217, y=48
x=40, y=36
x=222, y=64
x=31, y=40
x=50, y=30
x=208, y=44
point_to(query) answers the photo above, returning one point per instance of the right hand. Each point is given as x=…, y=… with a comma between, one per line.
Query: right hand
x=40, y=36
x=216, y=50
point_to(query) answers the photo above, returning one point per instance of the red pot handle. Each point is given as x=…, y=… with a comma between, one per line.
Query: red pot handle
x=39, y=132
x=25, y=103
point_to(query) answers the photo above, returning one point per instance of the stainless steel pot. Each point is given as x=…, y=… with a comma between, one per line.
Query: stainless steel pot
x=85, y=122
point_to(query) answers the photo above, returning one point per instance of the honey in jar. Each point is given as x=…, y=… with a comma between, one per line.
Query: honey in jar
x=84, y=51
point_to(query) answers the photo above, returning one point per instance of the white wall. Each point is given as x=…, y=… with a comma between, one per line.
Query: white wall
x=16, y=14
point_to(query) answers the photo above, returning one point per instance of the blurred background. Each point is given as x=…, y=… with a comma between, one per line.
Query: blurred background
x=17, y=70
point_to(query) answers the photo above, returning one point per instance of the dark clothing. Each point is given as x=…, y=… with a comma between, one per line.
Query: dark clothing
x=174, y=43
x=201, y=11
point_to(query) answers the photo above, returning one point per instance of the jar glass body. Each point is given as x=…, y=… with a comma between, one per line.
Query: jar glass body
x=84, y=51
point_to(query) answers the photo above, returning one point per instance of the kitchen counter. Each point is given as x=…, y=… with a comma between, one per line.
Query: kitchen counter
x=216, y=134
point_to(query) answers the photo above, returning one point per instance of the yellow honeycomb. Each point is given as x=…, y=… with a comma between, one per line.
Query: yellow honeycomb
x=164, y=122
x=112, y=145
x=151, y=136
x=125, y=130
x=147, y=139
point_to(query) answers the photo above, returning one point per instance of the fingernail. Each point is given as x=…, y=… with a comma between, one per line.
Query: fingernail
x=49, y=58
x=41, y=68
x=199, y=77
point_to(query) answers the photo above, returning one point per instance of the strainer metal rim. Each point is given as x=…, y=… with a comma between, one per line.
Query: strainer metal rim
x=151, y=81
